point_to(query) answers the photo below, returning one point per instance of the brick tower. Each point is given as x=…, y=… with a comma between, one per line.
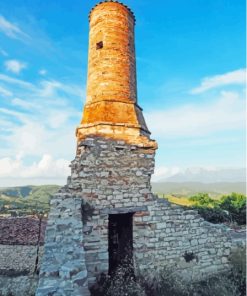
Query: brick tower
x=107, y=213
x=111, y=108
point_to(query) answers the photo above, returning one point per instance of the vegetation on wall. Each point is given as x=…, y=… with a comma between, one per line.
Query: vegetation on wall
x=230, y=208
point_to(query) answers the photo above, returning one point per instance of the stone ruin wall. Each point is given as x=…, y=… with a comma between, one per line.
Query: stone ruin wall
x=63, y=270
x=18, y=259
x=110, y=177
x=114, y=177
x=17, y=269
x=20, y=252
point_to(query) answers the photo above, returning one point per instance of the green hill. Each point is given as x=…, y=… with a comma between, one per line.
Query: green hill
x=23, y=200
x=26, y=199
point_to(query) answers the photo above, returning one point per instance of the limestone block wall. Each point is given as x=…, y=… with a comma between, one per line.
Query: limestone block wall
x=111, y=173
x=63, y=270
x=164, y=235
x=112, y=177
x=169, y=235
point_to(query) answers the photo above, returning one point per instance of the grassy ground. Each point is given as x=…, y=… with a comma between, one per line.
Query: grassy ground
x=183, y=201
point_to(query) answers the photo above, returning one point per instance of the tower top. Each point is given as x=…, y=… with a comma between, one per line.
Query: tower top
x=112, y=1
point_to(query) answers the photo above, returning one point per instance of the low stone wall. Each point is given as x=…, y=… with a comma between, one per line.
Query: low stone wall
x=18, y=286
x=18, y=259
x=20, y=255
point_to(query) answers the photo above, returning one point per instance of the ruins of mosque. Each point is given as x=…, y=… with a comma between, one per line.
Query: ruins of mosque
x=107, y=213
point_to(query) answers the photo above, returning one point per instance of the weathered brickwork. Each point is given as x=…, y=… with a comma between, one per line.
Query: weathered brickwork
x=110, y=177
x=111, y=107
x=113, y=63
x=114, y=177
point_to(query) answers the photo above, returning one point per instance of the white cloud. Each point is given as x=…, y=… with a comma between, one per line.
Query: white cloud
x=162, y=172
x=5, y=92
x=13, y=114
x=15, y=81
x=11, y=30
x=46, y=167
x=230, y=78
x=40, y=130
x=21, y=103
x=198, y=120
x=46, y=88
x=15, y=66
x=40, y=120
x=49, y=87
x=42, y=72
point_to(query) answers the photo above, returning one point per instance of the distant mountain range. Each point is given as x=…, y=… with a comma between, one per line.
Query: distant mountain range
x=191, y=188
x=206, y=175
x=194, y=180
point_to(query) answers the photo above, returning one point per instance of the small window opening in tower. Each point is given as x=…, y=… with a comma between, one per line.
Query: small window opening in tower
x=99, y=45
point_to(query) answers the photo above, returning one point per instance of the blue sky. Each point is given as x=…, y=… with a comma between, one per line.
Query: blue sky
x=190, y=71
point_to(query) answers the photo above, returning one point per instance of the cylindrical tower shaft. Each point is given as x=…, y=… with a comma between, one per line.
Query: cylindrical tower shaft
x=111, y=108
x=111, y=58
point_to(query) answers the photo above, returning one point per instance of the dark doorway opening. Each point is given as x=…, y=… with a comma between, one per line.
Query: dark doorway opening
x=120, y=242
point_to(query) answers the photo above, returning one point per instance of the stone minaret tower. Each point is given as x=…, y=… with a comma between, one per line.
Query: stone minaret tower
x=111, y=108
x=107, y=215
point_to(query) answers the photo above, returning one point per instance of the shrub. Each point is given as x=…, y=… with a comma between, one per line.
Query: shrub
x=213, y=215
x=166, y=283
x=217, y=285
x=229, y=208
x=202, y=199
x=235, y=204
x=238, y=262
x=121, y=283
